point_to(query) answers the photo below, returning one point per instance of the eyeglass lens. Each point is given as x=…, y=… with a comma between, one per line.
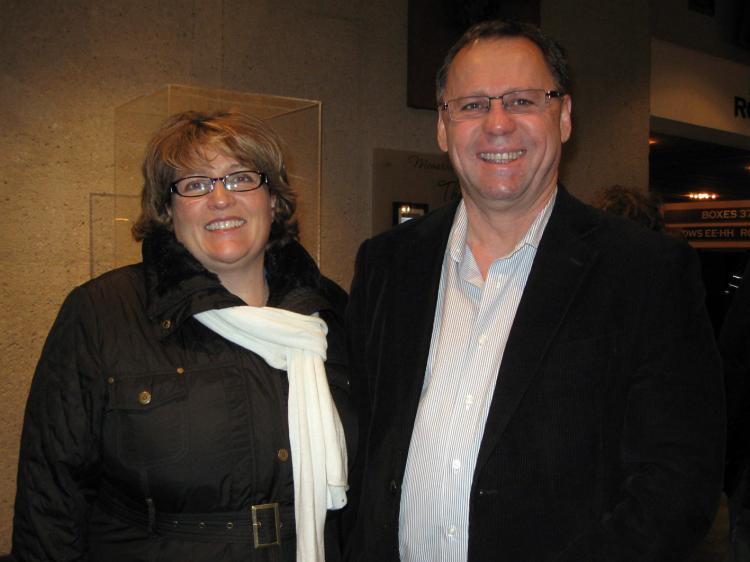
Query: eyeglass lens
x=517, y=103
x=196, y=186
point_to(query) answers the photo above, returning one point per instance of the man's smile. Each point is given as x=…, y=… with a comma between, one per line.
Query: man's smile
x=501, y=157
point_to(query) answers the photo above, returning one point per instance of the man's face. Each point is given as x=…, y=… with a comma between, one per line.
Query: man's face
x=504, y=161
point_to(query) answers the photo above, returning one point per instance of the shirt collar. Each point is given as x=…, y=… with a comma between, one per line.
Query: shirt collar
x=533, y=236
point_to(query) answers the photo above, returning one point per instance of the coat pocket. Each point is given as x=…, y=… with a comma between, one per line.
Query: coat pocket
x=149, y=415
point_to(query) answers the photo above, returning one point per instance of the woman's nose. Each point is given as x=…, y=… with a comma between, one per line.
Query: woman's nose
x=220, y=196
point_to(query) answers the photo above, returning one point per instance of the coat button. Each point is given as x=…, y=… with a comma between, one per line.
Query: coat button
x=180, y=370
x=393, y=487
x=283, y=455
x=166, y=324
x=144, y=397
x=111, y=380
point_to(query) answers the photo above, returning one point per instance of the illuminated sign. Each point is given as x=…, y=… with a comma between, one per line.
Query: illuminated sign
x=710, y=224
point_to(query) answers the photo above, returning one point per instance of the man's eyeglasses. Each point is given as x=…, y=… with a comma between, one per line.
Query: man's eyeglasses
x=520, y=102
x=196, y=186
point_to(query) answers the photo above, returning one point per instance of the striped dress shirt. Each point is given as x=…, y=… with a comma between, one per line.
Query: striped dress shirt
x=472, y=322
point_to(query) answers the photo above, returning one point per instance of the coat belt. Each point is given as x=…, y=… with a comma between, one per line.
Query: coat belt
x=264, y=525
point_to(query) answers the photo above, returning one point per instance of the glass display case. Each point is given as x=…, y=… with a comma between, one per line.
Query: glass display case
x=112, y=215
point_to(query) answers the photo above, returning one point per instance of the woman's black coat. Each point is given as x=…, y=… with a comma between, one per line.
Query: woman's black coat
x=149, y=437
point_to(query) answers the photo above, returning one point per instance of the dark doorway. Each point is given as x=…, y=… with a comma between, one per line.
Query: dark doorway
x=680, y=165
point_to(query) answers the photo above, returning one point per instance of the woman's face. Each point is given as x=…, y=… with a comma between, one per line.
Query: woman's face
x=226, y=231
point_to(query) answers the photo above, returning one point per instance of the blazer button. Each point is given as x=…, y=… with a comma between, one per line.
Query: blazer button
x=144, y=398
x=283, y=455
x=393, y=487
x=166, y=324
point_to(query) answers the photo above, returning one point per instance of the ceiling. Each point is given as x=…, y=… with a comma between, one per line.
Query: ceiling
x=679, y=165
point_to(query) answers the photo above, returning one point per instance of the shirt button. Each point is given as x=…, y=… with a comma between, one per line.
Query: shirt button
x=482, y=339
x=468, y=401
x=283, y=455
x=452, y=532
x=144, y=398
x=456, y=465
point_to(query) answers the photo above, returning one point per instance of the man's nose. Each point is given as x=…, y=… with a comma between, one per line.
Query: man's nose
x=498, y=120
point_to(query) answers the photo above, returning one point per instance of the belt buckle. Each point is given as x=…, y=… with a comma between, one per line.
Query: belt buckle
x=266, y=525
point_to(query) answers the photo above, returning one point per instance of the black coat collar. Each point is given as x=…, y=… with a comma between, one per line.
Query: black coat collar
x=178, y=286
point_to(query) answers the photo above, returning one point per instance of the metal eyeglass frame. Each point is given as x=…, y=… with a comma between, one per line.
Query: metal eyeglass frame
x=548, y=94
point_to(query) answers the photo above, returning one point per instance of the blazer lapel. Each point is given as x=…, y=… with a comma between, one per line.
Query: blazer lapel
x=563, y=259
x=416, y=277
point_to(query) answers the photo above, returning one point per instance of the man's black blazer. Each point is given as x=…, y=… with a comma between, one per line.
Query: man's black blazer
x=605, y=436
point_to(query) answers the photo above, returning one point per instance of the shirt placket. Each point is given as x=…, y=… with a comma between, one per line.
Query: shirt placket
x=466, y=415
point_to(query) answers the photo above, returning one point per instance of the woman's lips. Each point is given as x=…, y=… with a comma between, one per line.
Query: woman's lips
x=227, y=224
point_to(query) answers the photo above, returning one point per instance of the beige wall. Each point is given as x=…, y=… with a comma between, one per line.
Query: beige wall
x=608, y=45
x=65, y=67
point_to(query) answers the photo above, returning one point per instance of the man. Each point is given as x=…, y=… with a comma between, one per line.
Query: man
x=537, y=381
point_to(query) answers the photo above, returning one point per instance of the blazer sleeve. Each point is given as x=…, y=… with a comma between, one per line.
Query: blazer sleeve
x=673, y=437
x=356, y=323
x=356, y=330
x=734, y=345
x=59, y=460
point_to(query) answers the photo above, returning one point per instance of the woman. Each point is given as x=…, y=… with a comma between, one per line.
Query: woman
x=170, y=416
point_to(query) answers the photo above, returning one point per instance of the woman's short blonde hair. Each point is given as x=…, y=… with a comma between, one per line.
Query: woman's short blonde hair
x=181, y=144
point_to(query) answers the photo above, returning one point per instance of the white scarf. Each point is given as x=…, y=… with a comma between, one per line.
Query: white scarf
x=297, y=343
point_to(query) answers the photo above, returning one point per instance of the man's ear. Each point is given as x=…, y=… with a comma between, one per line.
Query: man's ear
x=566, y=109
x=442, y=136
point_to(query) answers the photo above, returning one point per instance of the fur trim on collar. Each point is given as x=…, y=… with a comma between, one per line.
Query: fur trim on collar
x=287, y=268
x=170, y=265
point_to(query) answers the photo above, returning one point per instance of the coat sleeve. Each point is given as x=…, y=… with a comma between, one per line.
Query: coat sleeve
x=59, y=459
x=673, y=436
x=337, y=368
